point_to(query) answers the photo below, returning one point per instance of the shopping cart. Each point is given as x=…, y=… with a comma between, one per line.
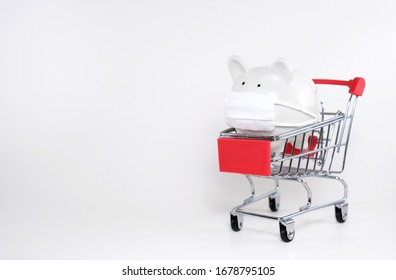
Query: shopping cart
x=317, y=150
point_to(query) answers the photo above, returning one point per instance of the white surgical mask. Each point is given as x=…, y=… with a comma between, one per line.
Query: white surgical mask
x=256, y=111
x=250, y=110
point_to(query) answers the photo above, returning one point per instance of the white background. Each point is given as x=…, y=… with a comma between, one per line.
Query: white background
x=110, y=110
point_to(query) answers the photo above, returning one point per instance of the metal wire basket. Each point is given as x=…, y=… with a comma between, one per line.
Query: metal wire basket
x=317, y=150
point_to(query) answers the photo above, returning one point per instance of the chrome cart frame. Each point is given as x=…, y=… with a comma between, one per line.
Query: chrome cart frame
x=318, y=150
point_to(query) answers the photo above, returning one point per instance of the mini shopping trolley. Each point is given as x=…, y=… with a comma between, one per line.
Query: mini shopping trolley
x=318, y=150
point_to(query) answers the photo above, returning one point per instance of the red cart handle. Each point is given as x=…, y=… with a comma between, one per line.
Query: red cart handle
x=356, y=86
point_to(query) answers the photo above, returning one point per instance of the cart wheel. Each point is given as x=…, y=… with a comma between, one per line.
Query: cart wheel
x=236, y=222
x=274, y=202
x=287, y=231
x=341, y=212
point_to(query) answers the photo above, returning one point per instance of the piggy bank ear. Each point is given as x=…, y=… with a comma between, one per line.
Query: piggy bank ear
x=283, y=70
x=236, y=66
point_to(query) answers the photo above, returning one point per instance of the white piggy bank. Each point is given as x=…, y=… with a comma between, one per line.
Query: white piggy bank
x=268, y=101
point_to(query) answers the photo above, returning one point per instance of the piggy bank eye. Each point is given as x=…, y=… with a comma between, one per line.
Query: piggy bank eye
x=243, y=83
x=258, y=85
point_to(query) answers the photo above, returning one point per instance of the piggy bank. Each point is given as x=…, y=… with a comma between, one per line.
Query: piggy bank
x=268, y=101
